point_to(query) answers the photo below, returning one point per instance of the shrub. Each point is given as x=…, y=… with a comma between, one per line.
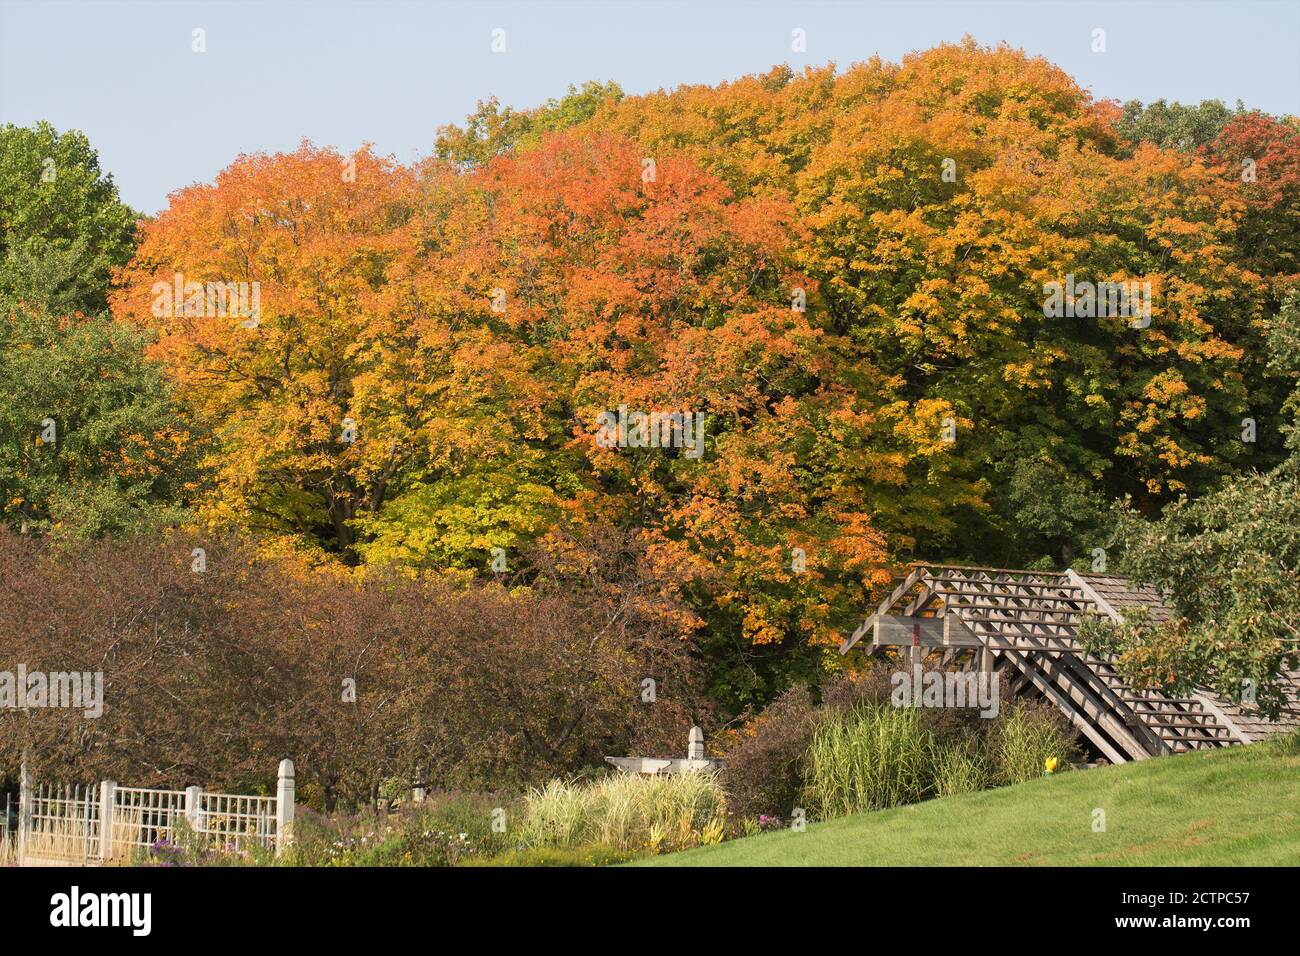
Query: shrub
x=444, y=830
x=869, y=686
x=474, y=686
x=762, y=774
x=591, y=855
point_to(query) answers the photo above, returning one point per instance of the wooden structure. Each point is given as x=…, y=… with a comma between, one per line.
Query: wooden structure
x=694, y=760
x=1023, y=626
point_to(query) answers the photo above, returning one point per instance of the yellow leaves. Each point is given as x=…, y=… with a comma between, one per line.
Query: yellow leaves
x=920, y=293
x=758, y=630
x=923, y=302
x=1027, y=375
x=924, y=424
x=1165, y=387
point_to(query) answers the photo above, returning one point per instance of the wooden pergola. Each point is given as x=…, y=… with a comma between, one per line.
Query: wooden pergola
x=1024, y=624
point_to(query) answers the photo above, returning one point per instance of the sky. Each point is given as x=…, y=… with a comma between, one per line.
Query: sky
x=390, y=72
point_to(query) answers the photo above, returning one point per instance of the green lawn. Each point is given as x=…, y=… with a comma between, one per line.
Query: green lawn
x=1214, y=808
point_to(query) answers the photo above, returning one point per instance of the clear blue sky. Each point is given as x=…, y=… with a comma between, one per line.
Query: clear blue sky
x=341, y=72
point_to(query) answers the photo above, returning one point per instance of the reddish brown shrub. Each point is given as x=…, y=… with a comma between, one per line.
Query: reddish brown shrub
x=213, y=677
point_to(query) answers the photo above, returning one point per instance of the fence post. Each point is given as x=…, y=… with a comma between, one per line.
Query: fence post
x=193, y=804
x=24, y=811
x=107, y=797
x=284, y=807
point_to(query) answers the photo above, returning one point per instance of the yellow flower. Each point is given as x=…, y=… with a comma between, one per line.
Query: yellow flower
x=1050, y=763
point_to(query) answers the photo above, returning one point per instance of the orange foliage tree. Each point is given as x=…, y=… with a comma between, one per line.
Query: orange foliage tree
x=845, y=275
x=280, y=382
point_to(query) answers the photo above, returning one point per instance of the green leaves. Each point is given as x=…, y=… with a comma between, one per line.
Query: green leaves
x=1174, y=125
x=1229, y=563
x=90, y=441
x=63, y=228
x=459, y=522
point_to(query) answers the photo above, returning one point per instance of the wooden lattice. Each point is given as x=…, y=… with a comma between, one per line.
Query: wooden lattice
x=1024, y=625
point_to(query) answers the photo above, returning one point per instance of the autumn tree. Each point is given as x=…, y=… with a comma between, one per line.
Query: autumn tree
x=300, y=444
x=581, y=277
x=941, y=196
x=868, y=284
x=1260, y=156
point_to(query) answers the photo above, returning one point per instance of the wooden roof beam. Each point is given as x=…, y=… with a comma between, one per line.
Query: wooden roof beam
x=868, y=626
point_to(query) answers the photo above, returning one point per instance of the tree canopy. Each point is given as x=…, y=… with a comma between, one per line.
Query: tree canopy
x=787, y=332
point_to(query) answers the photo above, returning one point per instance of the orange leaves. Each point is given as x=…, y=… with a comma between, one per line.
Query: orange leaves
x=838, y=273
x=305, y=238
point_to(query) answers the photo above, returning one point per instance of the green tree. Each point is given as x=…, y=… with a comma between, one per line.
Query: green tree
x=90, y=441
x=63, y=228
x=493, y=129
x=1230, y=564
x=1174, y=125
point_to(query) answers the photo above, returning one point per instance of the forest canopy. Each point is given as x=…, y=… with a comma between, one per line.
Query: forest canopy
x=838, y=276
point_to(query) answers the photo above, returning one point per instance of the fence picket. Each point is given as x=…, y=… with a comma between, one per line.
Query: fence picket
x=104, y=822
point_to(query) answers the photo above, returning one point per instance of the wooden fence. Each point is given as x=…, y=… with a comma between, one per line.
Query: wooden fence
x=105, y=823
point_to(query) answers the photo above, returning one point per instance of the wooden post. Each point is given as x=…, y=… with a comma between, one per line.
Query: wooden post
x=284, y=808
x=193, y=805
x=107, y=797
x=918, y=655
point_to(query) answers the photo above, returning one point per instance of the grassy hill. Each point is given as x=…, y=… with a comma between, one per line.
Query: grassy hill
x=1224, y=807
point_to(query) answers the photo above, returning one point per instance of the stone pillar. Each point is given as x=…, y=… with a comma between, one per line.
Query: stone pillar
x=695, y=744
x=418, y=791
